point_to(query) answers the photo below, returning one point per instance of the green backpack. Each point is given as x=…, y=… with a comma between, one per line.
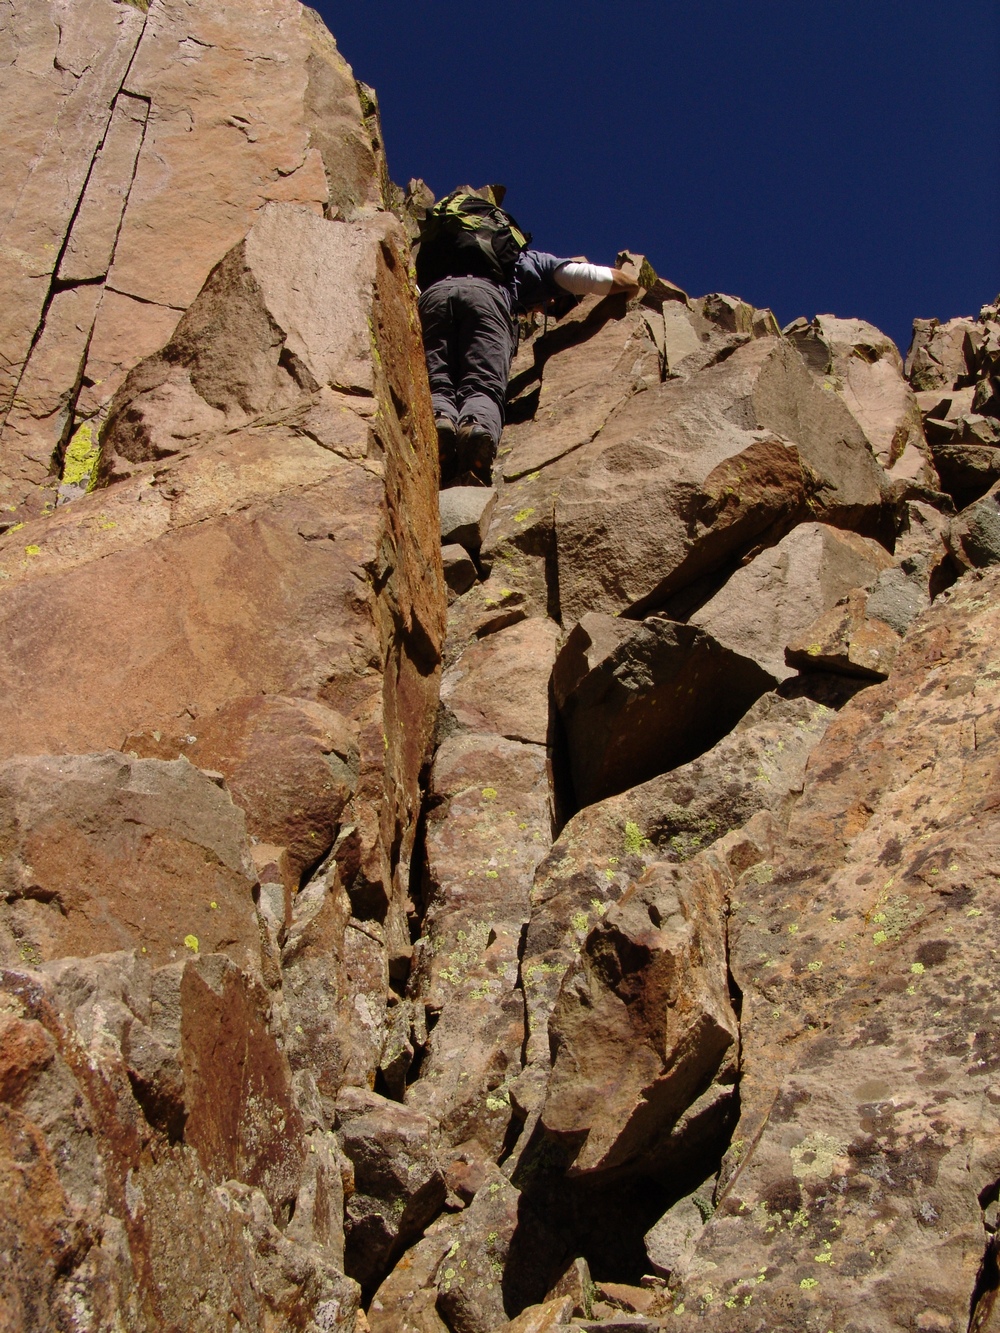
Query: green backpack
x=464, y=235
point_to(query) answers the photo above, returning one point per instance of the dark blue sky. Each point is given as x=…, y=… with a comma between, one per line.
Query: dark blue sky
x=810, y=155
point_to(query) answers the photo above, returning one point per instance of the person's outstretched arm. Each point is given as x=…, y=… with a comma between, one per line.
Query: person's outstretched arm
x=582, y=278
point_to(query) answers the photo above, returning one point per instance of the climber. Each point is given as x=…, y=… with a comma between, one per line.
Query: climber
x=476, y=276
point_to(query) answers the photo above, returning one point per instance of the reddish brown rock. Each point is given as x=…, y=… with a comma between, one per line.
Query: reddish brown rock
x=406, y=1302
x=587, y=367
x=652, y=979
x=398, y=1184
x=778, y=594
x=861, y=364
x=847, y=639
x=639, y=698
x=861, y=946
x=115, y=1204
x=104, y=853
x=290, y=764
x=760, y=765
x=252, y=505
x=335, y=980
x=937, y=357
x=109, y=154
x=690, y=473
x=500, y=683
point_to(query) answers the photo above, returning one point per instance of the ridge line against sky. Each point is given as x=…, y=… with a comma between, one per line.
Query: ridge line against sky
x=835, y=157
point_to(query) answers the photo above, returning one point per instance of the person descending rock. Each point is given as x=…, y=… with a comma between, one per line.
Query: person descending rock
x=476, y=273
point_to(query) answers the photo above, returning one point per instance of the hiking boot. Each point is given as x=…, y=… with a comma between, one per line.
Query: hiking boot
x=477, y=449
x=447, y=434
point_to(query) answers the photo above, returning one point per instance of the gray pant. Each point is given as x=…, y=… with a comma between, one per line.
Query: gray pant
x=468, y=342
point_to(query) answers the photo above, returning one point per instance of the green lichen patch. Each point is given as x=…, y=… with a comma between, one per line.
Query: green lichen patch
x=634, y=841
x=81, y=458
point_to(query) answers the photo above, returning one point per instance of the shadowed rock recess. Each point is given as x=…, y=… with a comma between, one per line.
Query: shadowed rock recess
x=593, y=924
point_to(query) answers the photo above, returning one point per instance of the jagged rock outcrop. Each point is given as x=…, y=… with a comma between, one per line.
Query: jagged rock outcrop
x=588, y=925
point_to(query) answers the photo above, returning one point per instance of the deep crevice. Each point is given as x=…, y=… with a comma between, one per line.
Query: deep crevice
x=984, y=1293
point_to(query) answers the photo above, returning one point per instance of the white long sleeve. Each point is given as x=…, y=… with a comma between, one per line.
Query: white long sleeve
x=582, y=278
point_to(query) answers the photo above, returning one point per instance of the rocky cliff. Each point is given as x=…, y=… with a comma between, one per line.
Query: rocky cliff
x=566, y=904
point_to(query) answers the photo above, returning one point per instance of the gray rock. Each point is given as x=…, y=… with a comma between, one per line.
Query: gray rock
x=459, y=568
x=899, y=595
x=975, y=533
x=672, y=1240
x=786, y=588
x=465, y=515
x=639, y=698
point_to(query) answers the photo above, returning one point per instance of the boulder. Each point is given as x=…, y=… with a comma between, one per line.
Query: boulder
x=937, y=356
x=398, y=1183
x=252, y=504
x=406, y=1302
x=500, y=683
x=290, y=764
x=587, y=368
x=555, y=1313
x=639, y=698
x=974, y=540
x=113, y=1197
x=465, y=515
x=759, y=765
x=689, y=475
x=671, y=1242
x=864, y=367
x=857, y=945
x=470, y=1276
x=846, y=639
x=772, y=599
x=651, y=979
x=460, y=572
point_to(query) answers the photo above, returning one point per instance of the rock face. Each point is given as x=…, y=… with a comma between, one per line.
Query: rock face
x=589, y=925
x=220, y=369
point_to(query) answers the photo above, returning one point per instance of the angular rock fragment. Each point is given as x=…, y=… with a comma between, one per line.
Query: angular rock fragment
x=470, y=1276
x=671, y=1242
x=638, y=698
x=974, y=539
x=846, y=639
x=858, y=945
x=864, y=367
x=398, y=1183
x=406, y=1302
x=500, y=683
x=465, y=515
x=290, y=764
x=772, y=599
x=651, y=980
x=335, y=980
x=583, y=382
x=460, y=572
x=689, y=474
x=555, y=1313
x=937, y=357
x=759, y=765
